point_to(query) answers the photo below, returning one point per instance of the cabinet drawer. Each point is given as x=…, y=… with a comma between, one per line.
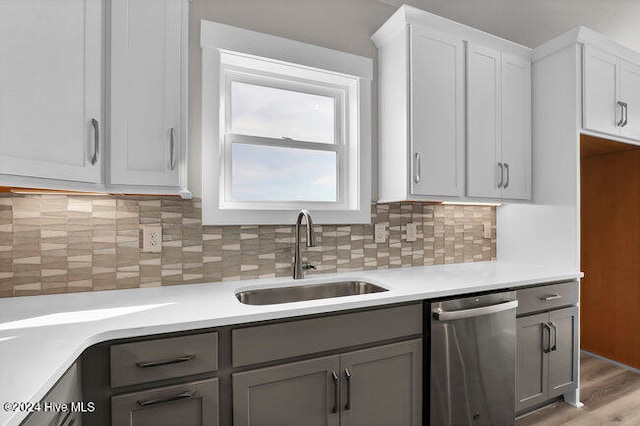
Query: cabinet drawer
x=272, y=342
x=152, y=360
x=194, y=404
x=547, y=297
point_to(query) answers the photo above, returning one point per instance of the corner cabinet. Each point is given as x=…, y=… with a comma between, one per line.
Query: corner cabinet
x=51, y=119
x=147, y=107
x=454, y=112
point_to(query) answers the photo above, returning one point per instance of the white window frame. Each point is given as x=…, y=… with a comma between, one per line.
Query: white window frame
x=233, y=54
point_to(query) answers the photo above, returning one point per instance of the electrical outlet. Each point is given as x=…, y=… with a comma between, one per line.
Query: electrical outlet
x=380, y=232
x=486, y=230
x=152, y=238
x=412, y=231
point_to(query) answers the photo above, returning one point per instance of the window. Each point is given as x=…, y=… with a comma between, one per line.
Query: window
x=279, y=136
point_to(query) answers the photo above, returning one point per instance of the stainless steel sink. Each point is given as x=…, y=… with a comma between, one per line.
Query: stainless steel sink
x=298, y=293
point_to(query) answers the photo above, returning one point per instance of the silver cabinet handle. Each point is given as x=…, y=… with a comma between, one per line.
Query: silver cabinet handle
x=626, y=114
x=546, y=348
x=506, y=184
x=501, y=181
x=347, y=375
x=172, y=157
x=555, y=337
x=550, y=298
x=418, y=167
x=96, y=141
x=177, y=360
x=334, y=377
x=441, y=315
x=184, y=395
x=623, y=121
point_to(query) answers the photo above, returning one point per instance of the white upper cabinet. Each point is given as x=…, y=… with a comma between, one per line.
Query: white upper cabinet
x=630, y=96
x=611, y=94
x=51, y=123
x=498, y=124
x=484, y=150
x=147, y=120
x=602, y=112
x=437, y=113
x=432, y=118
x=516, y=126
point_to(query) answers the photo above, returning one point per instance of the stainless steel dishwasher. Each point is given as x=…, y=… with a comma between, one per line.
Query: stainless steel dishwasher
x=473, y=360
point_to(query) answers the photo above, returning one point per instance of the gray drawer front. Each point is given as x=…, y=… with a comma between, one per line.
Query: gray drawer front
x=152, y=360
x=194, y=404
x=547, y=297
x=295, y=338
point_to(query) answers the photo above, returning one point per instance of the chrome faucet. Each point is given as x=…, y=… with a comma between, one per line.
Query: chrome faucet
x=298, y=266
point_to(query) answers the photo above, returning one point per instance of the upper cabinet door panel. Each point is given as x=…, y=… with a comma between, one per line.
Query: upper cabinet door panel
x=516, y=126
x=630, y=94
x=146, y=131
x=600, y=109
x=437, y=119
x=50, y=81
x=483, y=122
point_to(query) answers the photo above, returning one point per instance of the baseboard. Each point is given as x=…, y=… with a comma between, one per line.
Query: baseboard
x=619, y=364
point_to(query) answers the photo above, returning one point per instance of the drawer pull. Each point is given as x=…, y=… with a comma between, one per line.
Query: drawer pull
x=166, y=361
x=347, y=374
x=334, y=377
x=550, y=298
x=183, y=395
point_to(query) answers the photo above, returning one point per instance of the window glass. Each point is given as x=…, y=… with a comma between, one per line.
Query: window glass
x=278, y=113
x=268, y=173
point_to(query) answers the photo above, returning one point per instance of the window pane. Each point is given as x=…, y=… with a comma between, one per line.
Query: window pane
x=266, y=173
x=278, y=113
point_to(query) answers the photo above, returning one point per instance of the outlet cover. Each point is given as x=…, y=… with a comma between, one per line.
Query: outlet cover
x=486, y=230
x=412, y=231
x=152, y=238
x=380, y=232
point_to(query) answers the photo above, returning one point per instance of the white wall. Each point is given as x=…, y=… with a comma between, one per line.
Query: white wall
x=344, y=25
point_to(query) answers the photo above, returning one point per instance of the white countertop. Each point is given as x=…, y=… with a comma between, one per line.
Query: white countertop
x=41, y=336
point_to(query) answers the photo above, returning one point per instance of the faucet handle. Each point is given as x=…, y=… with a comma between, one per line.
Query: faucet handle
x=306, y=266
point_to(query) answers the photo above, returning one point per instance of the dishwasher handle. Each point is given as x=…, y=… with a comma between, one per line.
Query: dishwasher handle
x=440, y=315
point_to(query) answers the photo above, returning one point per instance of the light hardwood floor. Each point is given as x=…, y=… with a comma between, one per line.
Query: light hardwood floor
x=611, y=395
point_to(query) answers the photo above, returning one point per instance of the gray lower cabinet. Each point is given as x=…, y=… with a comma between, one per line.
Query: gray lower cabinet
x=383, y=386
x=67, y=391
x=190, y=404
x=547, y=356
x=300, y=393
x=378, y=386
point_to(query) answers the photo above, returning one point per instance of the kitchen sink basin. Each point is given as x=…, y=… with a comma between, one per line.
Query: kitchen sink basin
x=299, y=293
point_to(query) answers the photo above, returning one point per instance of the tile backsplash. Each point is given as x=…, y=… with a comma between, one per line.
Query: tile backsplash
x=63, y=243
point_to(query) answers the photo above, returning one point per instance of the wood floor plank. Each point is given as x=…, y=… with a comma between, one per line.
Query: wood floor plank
x=611, y=395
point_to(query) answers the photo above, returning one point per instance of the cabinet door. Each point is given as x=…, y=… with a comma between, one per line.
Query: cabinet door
x=630, y=94
x=516, y=126
x=600, y=92
x=483, y=122
x=67, y=390
x=563, y=357
x=301, y=393
x=532, y=363
x=50, y=81
x=191, y=404
x=437, y=114
x=383, y=386
x=146, y=131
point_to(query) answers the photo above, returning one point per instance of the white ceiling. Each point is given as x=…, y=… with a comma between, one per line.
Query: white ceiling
x=533, y=22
